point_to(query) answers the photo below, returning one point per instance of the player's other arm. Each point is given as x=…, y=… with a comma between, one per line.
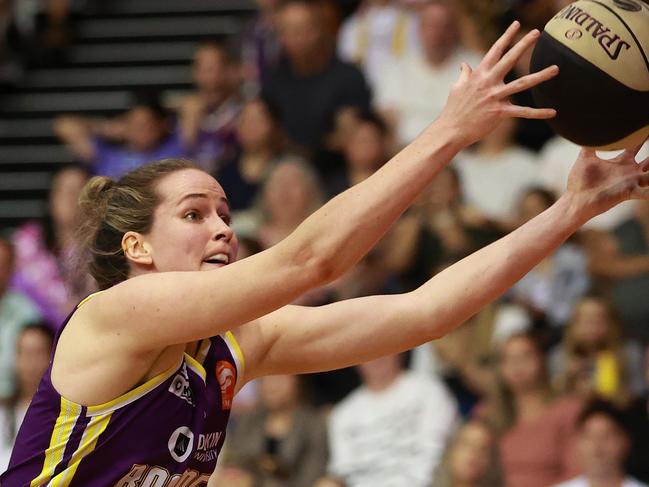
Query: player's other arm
x=297, y=339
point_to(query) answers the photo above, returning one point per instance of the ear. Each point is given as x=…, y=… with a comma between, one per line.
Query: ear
x=136, y=249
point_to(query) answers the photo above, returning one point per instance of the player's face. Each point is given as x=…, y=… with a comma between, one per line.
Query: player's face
x=191, y=225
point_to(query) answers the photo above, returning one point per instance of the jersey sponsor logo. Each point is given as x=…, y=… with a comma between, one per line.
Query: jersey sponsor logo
x=181, y=443
x=154, y=476
x=180, y=386
x=207, y=449
x=226, y=377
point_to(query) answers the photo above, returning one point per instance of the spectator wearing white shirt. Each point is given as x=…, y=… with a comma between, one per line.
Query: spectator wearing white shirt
x=378, y=34
x=393, y=430
x=412, y=92
x=496, y=175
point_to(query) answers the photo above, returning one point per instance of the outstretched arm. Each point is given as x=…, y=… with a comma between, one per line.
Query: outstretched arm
x=296, y=339
x=180, y=307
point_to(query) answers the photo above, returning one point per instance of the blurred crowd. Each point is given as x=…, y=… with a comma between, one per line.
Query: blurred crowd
x=548, y=386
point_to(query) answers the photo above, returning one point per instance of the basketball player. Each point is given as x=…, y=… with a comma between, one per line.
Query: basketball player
x=138, y=395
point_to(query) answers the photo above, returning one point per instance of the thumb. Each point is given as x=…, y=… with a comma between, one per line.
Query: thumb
x=465, y=72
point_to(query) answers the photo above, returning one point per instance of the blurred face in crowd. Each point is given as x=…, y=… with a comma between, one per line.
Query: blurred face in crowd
x=255, y=128
x=592, y=326
x=300, y=32
x=444, y=190
x=6, y=265
x=437, y=31
x=380, y=373
x=145, y=130
x=279, y=392
x=366, y=148
x=532, y=205
x=32, y=358
x=290, y=194
x=602, y=446
x=521, y=364
x=210, y=69
x=64, y=196
x=471, y=453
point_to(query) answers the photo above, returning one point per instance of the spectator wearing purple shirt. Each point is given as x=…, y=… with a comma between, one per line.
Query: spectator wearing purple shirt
x=114, y=147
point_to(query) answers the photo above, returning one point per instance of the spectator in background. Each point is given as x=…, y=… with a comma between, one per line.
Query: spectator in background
x=16, y=311
x=378, y=34
x=392, y=430
x=497, y=159
x=259, y=46
x=594, y=359
x=603, y=443
x=442, y=229
x=413, y=91
x=639, y=428
x=261, y=145
x=537, y=443
x=47, y=262
x=281, y=443
x=365, y=151
x=551, y=290
x=310, y=84
x=629, y=292
x=33, y=350
x=290, y=194
x=114, y=147
x=471, y=459
x=207, y=117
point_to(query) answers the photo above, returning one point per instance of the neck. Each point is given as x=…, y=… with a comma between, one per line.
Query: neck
x=493, y=147
x=313, y=64
x=530, y=404
x=606, y=479
x=216, y=97
x=385, y=383
x=437, y=58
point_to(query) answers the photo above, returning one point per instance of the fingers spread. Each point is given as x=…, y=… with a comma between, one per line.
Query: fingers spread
x=498, y=49
x=526, y=82
x=508, y=61
x=633, y=151
x=644, y=165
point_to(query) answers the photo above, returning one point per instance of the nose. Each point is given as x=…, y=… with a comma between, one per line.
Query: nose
x=223, y=231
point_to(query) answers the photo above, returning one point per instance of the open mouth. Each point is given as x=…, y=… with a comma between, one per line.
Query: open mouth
x=218, y=259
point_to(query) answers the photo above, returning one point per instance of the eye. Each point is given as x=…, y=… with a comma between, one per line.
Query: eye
x=192, y=215
x=227, y=219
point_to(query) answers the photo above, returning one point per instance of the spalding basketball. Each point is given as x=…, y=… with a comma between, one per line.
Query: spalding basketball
x=602, y=91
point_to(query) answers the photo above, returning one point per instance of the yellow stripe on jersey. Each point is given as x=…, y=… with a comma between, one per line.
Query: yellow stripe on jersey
x=88, y=298
x=60, y=436
x=203, y=349
x=132, y=395
x=96, y=426
x=196, y=366
x=233, y=345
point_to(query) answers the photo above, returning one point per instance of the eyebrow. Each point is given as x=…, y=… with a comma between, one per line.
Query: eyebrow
x=203, y=196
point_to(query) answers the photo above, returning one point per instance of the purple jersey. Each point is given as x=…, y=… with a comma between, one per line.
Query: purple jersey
x=166, y=432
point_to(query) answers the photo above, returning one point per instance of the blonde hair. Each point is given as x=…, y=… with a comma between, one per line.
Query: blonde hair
x=109, y=209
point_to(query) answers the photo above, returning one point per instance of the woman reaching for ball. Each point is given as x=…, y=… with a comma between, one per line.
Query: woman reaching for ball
x=143, y=374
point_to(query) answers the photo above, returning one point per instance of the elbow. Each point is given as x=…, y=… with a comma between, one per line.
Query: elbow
x=315, y=268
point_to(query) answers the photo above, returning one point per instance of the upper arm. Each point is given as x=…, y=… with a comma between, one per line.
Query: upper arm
x=166, y=308
x=298, y=339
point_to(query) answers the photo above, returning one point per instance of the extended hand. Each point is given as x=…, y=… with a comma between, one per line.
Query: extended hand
x=479, y=99
x=599, y=184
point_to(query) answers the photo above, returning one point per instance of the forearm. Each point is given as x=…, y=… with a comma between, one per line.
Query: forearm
x=344, y=229
x=460, y=291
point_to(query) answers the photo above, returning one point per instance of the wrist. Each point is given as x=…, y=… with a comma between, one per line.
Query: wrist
x=575, y=208
x=446, y=134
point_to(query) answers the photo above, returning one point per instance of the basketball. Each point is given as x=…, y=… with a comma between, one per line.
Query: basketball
x=602, y=91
